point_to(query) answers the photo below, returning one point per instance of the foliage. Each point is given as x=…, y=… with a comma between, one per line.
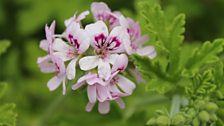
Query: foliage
x=195, y=79
x=177, y=69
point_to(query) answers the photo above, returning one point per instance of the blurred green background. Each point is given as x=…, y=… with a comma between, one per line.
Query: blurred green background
x=22, y=22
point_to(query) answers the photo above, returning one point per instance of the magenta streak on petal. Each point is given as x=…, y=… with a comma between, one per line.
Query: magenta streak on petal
x=114, y=80
x=111, y=19
x=57, y=69
x=120, y=68
x=100, y=17
x=73, y=41
x=113, y=40
x=99, y=38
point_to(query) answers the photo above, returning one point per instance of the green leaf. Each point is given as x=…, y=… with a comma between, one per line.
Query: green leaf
x=3, y=87
x=207, y=53
x=7, y=115
x=167, y=32
x=4, y=44
x=202, y=84
x=157, y=80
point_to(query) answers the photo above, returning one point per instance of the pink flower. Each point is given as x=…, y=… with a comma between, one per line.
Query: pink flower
x=102, y=12
x=78, y=43
x=50, y=32
x=137, y=41
x=105, y=91
x=50, y=64
x=106, y=46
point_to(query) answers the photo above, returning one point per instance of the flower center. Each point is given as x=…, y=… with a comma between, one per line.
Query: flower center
x=73, y=41
x=114, y=80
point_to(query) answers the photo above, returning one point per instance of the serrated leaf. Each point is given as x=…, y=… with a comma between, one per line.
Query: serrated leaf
x=205, y=54
x=4, y=44
x=7, y=115
x=157, y=81
x=168, y=32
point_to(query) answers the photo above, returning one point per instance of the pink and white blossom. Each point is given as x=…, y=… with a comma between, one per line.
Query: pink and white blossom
x=78, y=43
x=102, y=12
x=106, y=46
x=136, y=40
x=53, y=64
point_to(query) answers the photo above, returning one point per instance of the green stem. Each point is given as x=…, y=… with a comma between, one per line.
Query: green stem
x=175, y=105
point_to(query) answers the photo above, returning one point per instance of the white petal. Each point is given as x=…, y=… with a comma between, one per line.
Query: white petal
x=83, y=39
x=71, y=69
x=120, y=63
x=96, y=29
x=91, y=91
x=63, y=56
x=113, y=58
x=88, y=62
x=122, y=35
x=60, y=45
x=104, y=107
x=54, y=83
x=44, y=45
x=104, y=69
x=126, y=85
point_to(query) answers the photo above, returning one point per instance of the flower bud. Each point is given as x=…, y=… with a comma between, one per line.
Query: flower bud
x=213, y=117
x=163, y=121
x=151, y=122
x=196, y=122
x=211, y=107
x=204, y=116
x=178, y=120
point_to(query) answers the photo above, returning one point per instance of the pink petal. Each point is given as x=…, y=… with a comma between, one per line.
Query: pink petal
x=54, y=83
x=103, y=93
x=120, y=63
x=125, y=84
x=98, y=8
x=45, y=66
x=104, y=107
x=88, y=62
x=104, y=69
x=81, y=80
x=147, y=51
x=140, y=41
x=71, y=69
x=89, y=106
x=77, y=85
x=120, y=102
x=91, y=91
x=94, y=80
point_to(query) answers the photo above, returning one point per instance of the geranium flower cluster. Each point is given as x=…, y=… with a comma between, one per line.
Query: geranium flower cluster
x=100, y=49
